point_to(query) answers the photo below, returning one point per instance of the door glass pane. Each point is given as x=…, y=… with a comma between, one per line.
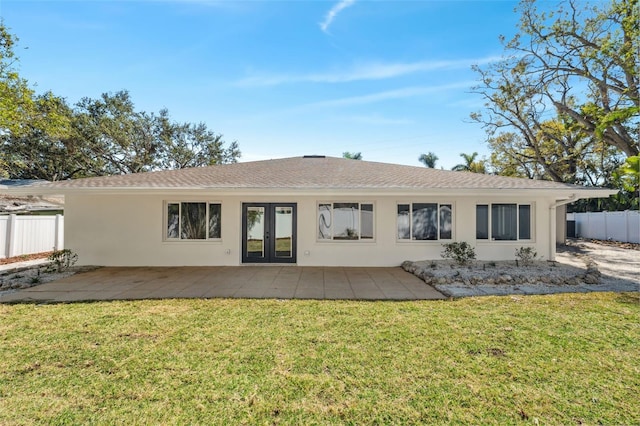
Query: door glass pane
x=524, y=227
x=366, y=221
x=503, y=221
x=255, y=231
x=425, y=221
x=284, y=231
x=173, y=220
x=346, y=217
x=193, y=224
x=402, y=220
x=324, y=221
x=214, y=221
x=482, y=222
x=445, y=221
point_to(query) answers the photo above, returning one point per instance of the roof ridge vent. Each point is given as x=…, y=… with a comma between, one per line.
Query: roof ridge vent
x=314, y=156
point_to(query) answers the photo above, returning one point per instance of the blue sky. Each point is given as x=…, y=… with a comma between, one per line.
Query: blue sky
x=391, y=79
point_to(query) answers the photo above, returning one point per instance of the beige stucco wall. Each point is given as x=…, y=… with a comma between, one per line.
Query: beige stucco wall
x=127, y=230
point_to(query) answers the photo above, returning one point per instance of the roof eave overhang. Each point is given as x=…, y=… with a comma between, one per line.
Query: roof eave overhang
x=555, y=193
x=26, y=191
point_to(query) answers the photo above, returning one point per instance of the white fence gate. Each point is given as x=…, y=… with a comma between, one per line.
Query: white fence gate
x=30, y=234
x=617, y=226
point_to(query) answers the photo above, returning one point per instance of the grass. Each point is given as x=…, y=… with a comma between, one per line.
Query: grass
x=282, y=245
x=562, y=359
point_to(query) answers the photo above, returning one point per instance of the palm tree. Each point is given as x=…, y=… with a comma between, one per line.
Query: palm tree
x=429, y=159
x=352, y=155
x=470, y=164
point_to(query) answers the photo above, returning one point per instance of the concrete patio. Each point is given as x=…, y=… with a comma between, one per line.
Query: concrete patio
x=278, y=282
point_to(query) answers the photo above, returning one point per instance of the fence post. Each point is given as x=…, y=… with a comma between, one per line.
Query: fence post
x=11, y=235
x=58, y=234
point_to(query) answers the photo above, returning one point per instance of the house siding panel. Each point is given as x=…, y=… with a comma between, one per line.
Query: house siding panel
x=127, y=230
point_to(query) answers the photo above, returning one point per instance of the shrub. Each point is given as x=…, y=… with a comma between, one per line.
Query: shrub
x=526, y=255
x=63, y=259
x=461, y=252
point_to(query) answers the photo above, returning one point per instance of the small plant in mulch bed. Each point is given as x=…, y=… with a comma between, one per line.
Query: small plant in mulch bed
x=526, y=256
x=62, y=259
x=461, y=252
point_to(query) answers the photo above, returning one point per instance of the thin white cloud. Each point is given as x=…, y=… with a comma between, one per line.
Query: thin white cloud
x=407, y=92
x=331, y=15
x=364, y=71
x=374, y=119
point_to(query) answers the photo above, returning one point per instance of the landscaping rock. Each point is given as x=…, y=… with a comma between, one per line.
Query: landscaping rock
x=592, y=278
x=407, y=264
x=25, y=277
x=502, y=277
x=574, y=271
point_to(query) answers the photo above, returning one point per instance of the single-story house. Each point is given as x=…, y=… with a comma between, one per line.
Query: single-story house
x=310, y=211
x=30, y=205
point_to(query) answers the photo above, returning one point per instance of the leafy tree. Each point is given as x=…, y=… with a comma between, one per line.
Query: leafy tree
x=41, y=150
x=629, y=172
x=470, y=164
x=559, y=151
x=42, y=137
x=127, y=141
x=120, y=139
x=627, y=177
x=511, y=157
x=107, y=136
x=32, y=126
x=193, y=145
x=352, y=155
x=429, y=159
x=16, y=98
x=578, y=63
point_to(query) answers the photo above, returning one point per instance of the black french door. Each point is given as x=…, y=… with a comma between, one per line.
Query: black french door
x=268, y=232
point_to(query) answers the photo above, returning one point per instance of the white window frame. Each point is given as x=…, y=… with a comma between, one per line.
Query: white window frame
x=413, y=240
x=332, y=238
x=490, y=225
x=165, y=219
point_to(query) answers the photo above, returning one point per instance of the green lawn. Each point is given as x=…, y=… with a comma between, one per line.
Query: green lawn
x=564, y=359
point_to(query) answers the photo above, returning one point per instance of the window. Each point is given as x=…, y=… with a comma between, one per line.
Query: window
x=482, y=222
x=503, y=222
x=345, y=221
x=424, y=221
x=193, y=221
x=508, y=222
x=524, y=222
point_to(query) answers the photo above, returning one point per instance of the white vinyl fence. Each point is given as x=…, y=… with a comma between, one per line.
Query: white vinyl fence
x=616, y=226
x=30, y=234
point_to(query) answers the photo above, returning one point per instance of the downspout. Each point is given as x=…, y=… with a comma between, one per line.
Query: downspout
x=552, y=229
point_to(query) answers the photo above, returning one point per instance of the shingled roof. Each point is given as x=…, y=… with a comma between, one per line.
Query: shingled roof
x=310, y=173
